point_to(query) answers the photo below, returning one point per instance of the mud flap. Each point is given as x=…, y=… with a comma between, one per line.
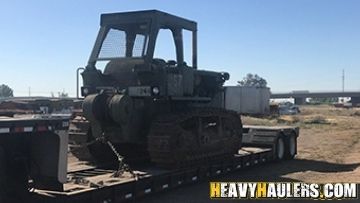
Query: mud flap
x=2, y=175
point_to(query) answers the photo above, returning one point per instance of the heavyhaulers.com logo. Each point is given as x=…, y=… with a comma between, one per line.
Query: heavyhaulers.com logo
x=270, y=190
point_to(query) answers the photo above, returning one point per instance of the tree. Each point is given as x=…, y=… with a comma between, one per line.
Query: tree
x=63, y=94
x=6, y=91
x=252, y=81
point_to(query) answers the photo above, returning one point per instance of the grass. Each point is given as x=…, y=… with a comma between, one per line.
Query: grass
x=313, y=116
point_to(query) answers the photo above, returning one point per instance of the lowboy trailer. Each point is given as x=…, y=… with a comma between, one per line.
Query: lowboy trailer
x=34, y=167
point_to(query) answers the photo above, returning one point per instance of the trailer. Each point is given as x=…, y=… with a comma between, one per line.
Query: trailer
x=33, y=147
x=33, y=164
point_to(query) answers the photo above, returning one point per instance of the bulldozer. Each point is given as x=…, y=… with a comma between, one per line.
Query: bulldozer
x=167, y=111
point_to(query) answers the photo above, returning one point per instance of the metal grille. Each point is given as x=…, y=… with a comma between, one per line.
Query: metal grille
x=114, y=45
x=139, y=45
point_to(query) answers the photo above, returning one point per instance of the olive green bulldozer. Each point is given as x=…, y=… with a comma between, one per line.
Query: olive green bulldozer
x=165, y=111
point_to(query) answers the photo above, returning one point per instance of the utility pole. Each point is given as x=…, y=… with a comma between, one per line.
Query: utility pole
x=343, y=80
x=29, y=91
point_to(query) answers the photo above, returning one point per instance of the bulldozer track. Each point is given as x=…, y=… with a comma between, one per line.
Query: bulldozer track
x=194, y=137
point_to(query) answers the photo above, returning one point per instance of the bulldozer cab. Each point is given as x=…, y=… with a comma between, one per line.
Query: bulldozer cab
x=133, y=36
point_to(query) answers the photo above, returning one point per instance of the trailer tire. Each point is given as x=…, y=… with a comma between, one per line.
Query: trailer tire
x=279, y=149
x=291, y=144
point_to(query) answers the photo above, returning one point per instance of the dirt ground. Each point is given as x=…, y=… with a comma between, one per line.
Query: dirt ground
x=328, y=146
x=328, y=151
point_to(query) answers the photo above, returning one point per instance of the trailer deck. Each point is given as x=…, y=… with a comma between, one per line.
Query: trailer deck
x=99, y=185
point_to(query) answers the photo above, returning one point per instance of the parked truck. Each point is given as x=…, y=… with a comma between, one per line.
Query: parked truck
x=139, y=109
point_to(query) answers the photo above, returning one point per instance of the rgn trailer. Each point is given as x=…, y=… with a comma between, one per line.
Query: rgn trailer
x=34, y=168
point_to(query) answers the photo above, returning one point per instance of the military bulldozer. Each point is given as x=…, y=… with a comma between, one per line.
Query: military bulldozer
x=167, y=111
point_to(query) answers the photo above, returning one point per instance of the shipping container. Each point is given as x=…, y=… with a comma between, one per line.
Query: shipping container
x=248, y=100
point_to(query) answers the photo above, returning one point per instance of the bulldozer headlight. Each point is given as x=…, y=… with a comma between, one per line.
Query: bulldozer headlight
x=85, y=91
x=155, y=90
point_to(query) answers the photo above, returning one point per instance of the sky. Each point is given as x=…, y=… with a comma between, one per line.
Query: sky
x=294, y=45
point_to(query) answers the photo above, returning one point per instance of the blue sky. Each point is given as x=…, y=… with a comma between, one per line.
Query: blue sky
x=294, y=45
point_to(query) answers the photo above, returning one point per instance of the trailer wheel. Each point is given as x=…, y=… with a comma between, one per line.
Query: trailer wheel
x=291, y=147
x=280, y=149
